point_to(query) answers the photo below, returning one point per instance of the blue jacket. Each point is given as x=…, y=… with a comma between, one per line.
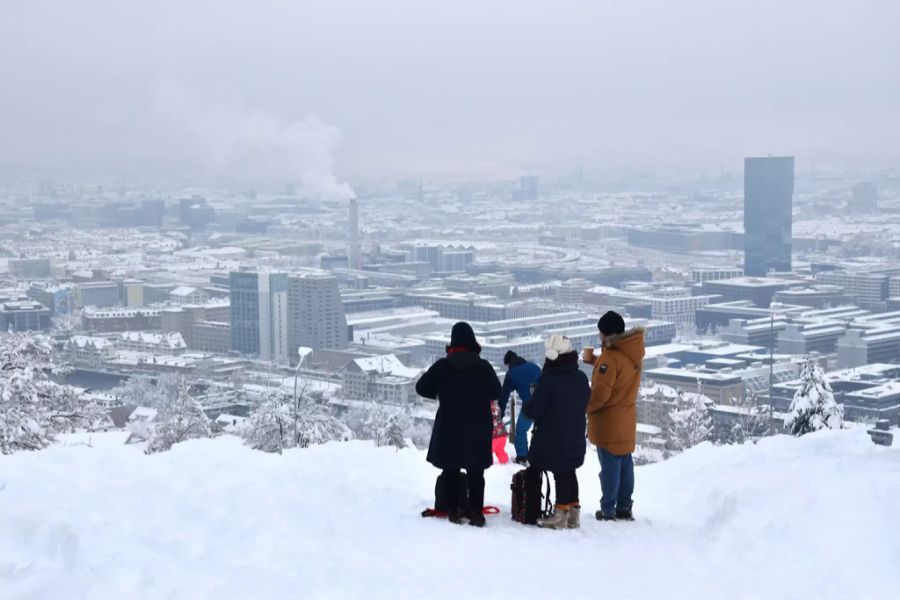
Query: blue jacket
x=519, y=378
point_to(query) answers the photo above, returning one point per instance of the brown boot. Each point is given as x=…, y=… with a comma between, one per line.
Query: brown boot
x=559, y=519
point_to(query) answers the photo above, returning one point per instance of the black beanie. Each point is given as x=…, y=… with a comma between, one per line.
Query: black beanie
x=462, y=336
x=509, y=357
x=611, y=323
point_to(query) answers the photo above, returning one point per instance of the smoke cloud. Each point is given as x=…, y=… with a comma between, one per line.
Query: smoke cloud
x=253, y=145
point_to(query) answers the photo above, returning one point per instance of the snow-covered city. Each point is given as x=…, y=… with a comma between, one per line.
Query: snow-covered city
x=352, y=349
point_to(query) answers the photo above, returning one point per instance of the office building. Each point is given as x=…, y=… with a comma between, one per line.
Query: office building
x=102, y=294
x=865, y=198
x=29, y=268
x=259, y=314
x=24, y=315
x=212, y=336
x=60, y=300
x=704, y=274
x=526, y=188
x=768, y=217
x=120, y=320
x=758, y=290
x=868, y=290
x=316, y=312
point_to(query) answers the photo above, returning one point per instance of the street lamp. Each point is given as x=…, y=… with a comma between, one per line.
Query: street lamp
x=303, y=352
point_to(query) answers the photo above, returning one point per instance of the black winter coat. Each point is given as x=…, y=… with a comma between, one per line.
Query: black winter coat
x=558, y=407
x=464, y=385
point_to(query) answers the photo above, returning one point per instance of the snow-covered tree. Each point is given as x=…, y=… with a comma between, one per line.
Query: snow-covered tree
x=281, y=422
x=690, y=421
x=750, y=422
x=141, y=390
x=813, y=407
x=32, y=406
x=72, y=410
x=182, y=418
x=394, y=433
x=383, y=424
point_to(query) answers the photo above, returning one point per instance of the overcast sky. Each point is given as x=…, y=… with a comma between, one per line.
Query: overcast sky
x=402, y=88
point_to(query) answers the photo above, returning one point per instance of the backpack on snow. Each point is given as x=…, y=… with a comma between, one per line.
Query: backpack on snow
x=441, y=503
x=528, y=503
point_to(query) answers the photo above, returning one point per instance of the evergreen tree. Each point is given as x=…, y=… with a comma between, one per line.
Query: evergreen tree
x=182, y=418
x=394, y=433
x=813, y=407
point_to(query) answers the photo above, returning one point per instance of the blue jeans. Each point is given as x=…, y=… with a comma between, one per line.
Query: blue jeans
x=616, y=482
x=523, y=426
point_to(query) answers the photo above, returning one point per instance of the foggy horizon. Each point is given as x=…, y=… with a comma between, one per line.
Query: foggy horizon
x=350, y=92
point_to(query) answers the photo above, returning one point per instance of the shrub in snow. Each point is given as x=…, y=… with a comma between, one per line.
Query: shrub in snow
x=141, y=390
x=182, y=418
x=813, y=407
x=383, y=424
x=281, y=422
x=750, y=421
x=32, y=406
x=690, y=421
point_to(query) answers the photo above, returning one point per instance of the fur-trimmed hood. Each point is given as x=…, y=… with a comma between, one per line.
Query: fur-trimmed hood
x=630, y=343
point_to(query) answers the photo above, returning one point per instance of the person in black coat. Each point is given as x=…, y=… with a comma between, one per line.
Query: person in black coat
x=558, y=406
x=464, y=384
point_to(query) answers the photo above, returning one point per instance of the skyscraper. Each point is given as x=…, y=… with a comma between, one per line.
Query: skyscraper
x=865, y=198
x=317, y=318
x=768, y=218
x=259, y=314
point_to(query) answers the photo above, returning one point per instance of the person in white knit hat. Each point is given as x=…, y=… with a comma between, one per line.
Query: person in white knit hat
x=558, y=445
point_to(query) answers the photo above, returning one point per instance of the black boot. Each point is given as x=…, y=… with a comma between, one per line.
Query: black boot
x=624, y=515
x=604, y=517
x=476, y=518
x=521, y=460
x=455, y=516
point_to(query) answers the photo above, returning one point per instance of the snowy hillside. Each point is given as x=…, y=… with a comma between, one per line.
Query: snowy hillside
x=816, y=517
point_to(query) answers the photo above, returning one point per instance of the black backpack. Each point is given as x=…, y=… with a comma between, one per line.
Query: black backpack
x=441, y=502
x=528, y=503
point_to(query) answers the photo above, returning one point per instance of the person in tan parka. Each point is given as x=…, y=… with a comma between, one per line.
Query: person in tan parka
x=612, y=412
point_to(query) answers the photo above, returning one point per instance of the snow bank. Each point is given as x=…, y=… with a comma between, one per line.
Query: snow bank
x=788, y=518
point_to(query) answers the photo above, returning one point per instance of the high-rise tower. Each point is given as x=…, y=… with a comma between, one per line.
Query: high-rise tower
x=768, y=217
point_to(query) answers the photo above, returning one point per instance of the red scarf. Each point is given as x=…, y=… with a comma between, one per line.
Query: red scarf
x=457, y=349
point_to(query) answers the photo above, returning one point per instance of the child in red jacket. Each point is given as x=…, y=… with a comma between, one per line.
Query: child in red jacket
x=500, y=435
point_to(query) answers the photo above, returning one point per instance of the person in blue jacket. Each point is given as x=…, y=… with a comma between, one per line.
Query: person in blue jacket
x=521, y=375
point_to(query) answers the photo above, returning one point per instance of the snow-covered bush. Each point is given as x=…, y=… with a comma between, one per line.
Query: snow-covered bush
x=181, y=418
x=750, y=422
x=690, y=421
x=813, y=407
x=385, y=425
x=32, y=406
x=141, y=390
x=281, y=423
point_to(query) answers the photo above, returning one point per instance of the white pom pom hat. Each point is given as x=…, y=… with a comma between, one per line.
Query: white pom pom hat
x=556, y=345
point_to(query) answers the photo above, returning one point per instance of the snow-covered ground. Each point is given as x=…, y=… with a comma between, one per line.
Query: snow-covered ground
x=817, y=517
